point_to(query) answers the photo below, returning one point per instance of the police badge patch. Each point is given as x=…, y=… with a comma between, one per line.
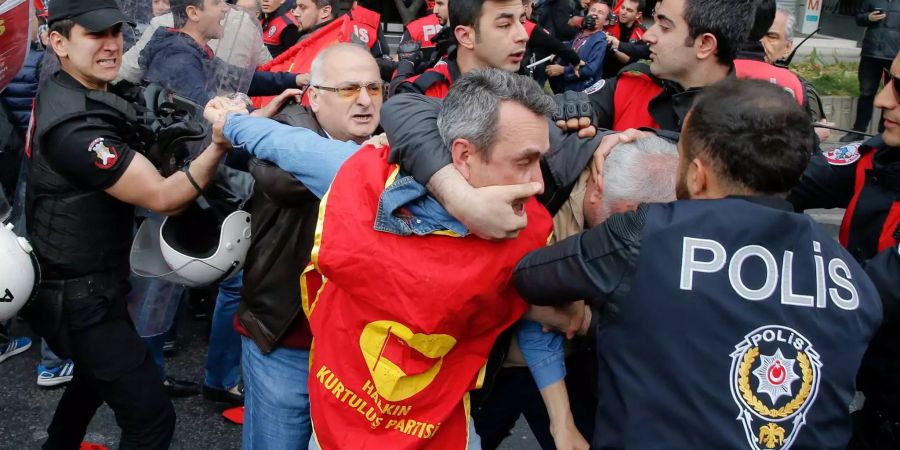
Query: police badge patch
x=843, y=156
x=775, y=374
x=272, y=30
x=106, y=156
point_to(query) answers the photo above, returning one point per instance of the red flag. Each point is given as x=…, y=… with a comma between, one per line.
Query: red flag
x=298, y=58
x=15, y=18
x=402, y=325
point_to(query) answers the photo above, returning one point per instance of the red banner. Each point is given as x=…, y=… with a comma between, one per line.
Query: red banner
x=298, y=58
x=402, y=325
x=15, y=19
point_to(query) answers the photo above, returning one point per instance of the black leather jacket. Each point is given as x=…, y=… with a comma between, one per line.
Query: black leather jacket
x=882, y=39
x=284, y=225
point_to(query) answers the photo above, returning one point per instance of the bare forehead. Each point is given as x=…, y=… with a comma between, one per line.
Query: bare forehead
x=350, y=63
x=491, y=9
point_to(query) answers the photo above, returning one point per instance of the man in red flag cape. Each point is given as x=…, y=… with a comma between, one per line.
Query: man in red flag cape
x=397, y=350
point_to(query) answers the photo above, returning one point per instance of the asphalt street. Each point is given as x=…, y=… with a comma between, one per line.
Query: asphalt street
x=26, y=409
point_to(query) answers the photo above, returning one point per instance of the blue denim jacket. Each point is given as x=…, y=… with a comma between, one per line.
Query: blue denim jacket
x=405, y=208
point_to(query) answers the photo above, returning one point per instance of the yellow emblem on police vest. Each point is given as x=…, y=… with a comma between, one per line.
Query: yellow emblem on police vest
x=775, y=373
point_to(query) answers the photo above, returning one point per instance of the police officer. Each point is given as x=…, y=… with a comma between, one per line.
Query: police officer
x=688, y=51
x=864, y=178
x=84, y=180
x=279, y=26
x=724, y=318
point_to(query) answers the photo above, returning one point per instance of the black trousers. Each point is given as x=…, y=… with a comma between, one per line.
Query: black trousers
x=871, y=73
x=112, y=365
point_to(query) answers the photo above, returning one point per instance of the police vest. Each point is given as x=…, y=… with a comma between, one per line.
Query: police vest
x=423, y=29
x=631, y=100
x=402, y=325
x=436, y=81
x=273, y=28
x=365, y=24
x=743, y=328
x=759, y=70
x=74, y=231
x=872, y=219
x=637, y=32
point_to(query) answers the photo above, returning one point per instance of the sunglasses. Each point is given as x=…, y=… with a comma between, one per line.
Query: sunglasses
x=351, y=91
x=894, y=81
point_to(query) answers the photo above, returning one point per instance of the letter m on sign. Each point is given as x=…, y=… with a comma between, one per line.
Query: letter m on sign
x=813, y=5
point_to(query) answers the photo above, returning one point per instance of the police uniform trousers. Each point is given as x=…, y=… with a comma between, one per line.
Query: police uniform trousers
x=112, y=365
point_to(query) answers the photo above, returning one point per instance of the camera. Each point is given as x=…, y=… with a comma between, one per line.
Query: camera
x=589, y=23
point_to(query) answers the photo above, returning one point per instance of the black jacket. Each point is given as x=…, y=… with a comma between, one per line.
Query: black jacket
x=410, y=122
x=882, y=39
x=284, y=225
x=827, y=185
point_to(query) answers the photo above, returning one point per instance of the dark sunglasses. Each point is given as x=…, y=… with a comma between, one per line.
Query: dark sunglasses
x=894, y=81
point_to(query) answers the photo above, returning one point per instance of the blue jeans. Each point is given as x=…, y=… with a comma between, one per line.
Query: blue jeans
x=276, y=398
x=223, y=359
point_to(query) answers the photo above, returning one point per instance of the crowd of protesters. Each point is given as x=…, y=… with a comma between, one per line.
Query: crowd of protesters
x=589, y=214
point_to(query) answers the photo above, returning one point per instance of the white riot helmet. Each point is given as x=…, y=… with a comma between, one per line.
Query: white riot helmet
x=193, y=248
x=19, y=272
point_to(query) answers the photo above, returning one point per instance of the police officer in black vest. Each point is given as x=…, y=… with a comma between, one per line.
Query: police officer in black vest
x=723, y=320
x=84, y=180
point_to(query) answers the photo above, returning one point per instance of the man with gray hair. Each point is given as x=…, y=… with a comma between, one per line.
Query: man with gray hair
x=779, y=40
x=345, y=102
x=643, y=171
x=423, y=339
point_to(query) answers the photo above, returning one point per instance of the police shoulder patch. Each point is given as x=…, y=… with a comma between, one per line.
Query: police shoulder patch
x=843, y=156
x=106, y=157
x=272, y=30
x=595, y=87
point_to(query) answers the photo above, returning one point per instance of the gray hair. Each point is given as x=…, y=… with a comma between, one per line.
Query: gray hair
x=643, y=171
x=790, y=22
x=317, y=67
x=471, y=107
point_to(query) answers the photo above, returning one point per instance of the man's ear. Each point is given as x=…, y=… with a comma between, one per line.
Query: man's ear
x=313, y=99
x=465, y=36
x=706, y=45
x=192, y=13
x=462, y=151
x=697, y=178
x=325, y=12
x=60, y=44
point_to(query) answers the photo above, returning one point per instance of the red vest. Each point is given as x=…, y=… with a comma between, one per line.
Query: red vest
x=636, y=34
x=529, y=27
x=423, y=29
x=364, y=24
x=892, y=221
x=631, y=101
x=441, y=86
x=274, y=28
x=759, y=70
x=402, y=325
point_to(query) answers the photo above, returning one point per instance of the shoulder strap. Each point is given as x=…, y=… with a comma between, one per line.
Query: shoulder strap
x=428, y=79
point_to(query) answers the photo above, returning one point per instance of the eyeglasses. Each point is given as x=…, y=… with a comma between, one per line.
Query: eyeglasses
x=374, y=89
x=894, y=81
